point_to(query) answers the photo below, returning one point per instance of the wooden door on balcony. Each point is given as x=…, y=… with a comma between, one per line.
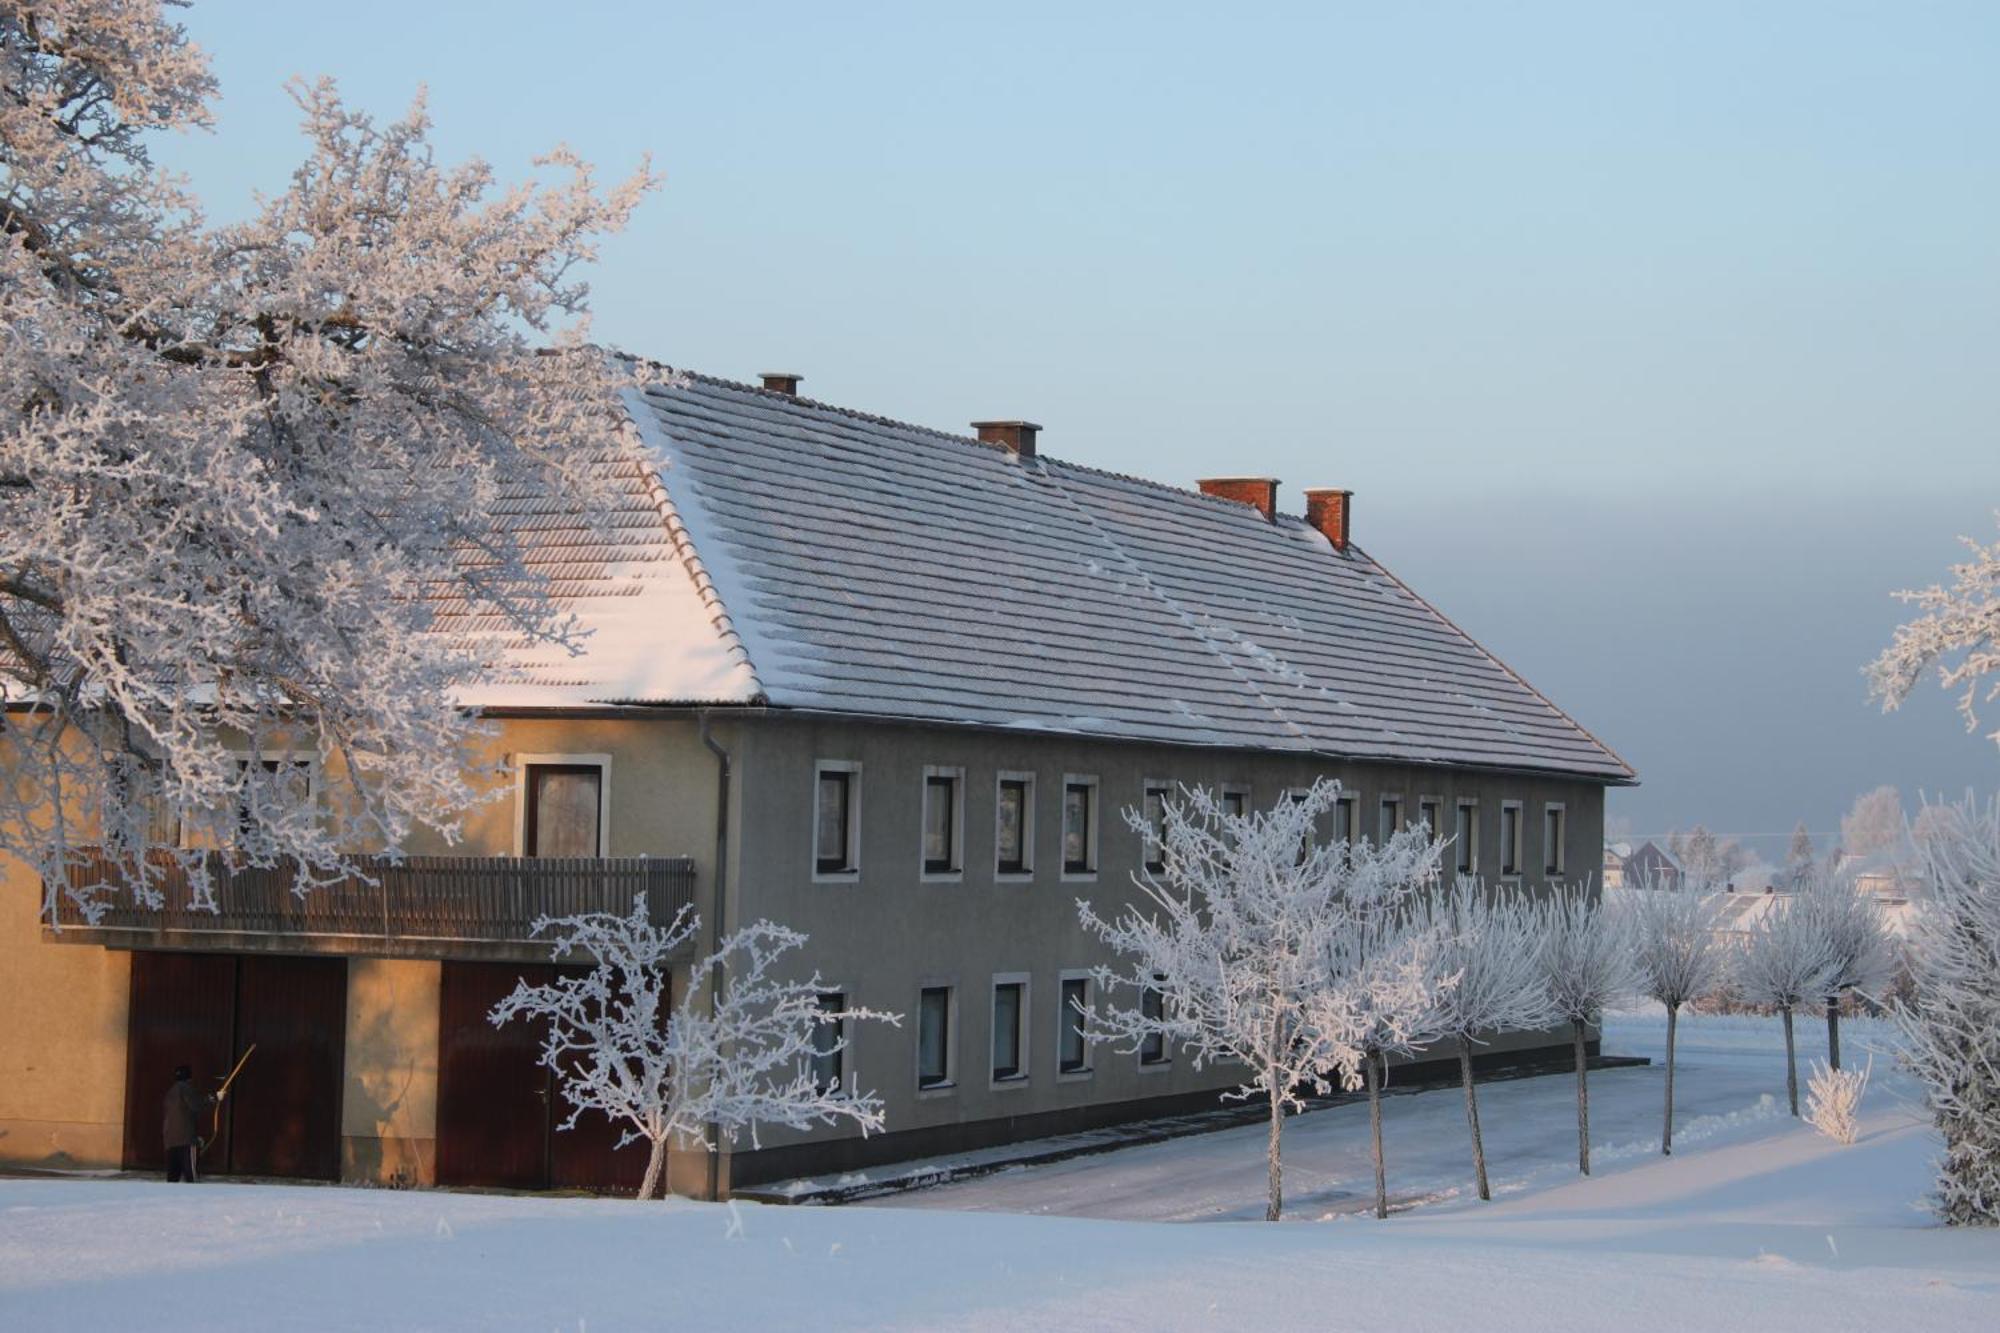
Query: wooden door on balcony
x=498, y=1107
x=282, y=1117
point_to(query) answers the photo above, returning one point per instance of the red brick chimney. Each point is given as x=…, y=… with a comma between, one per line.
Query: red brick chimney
x=782, y=381
x=1016, y=437
x=1331, y=511
x=1260, y=493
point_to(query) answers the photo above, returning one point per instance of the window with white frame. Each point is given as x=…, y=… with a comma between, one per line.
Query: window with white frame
x=1553, y=818
x=829, y=1044
x=1510, y=837
x=1073, y=1025
x=1010, y=1027
x=1079, y=827
x=1430, y=815
x=1014, y=825
x=837, y=819
x=1153, y=1007
x=944, y=822
x=565, y=810
x=1155, y=806
x=934, y=1023
x=1465, y=838
x=1388, y=819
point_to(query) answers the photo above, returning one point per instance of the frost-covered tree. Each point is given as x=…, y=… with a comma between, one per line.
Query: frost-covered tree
x=1958, y=633
x=1232, y=937
x=725, y=1060
x=1678, y=960
x=1787, y=961
x=1951, y=1023
x=1490, y=945
x=1858, y=940
x=243, y=470
x=1588, y=964
x=1874, y=823
x=1801, y=852
x=1833, y=1100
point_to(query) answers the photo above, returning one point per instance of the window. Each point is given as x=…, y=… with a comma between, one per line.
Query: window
x=941, y=821
x=1389, y=818
x=1297, y=796
x=1465, y=837
x=1153, y=1007
x=1428, y=808
x=1343, y=819
x=1156, y=827
x=1235, y=802
x=1072, y=1047
x=272, y=787
x=565, y=810
x=828, y=1043
x=1079, y=826
x=837, y=820
x=934, y=1037
x=1010, y=1004
x=1510, y=837
x=1014, y=825
x=1552, y=839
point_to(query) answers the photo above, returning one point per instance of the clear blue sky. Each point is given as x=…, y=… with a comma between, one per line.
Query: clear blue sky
x=1658, y=341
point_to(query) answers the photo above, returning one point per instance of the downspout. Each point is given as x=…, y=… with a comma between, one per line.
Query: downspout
x=718, y=896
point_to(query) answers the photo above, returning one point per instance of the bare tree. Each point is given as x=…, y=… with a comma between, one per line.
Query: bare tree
x=1588, y=965
x=725, y=1063
x=1228, y=949
x=1678, y=960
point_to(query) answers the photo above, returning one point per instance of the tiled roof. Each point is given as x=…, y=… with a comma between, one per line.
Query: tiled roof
x=847, y=563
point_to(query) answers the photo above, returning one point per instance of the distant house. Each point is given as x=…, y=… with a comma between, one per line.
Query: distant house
x=1614, y=864
x=1652, y=864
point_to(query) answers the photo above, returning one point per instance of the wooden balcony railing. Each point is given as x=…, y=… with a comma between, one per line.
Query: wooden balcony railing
x=421, y=906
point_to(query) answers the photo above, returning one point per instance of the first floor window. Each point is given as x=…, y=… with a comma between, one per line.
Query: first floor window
x=1465, y=838
x=564, y=814
x=1552, y=840
x=1153, y=1007
x=934, y=1037
x=1427, y=814
x=1156, y=828
x=1235, y=803
x=1010, y=833
x=1079, y=828
x=1510, y=839
x=828, y=1048
x=1007, y=1001
x=1073, y=1055
x=1390, y=819
x=833, y=822
x=1343, y=819
x=940, y=823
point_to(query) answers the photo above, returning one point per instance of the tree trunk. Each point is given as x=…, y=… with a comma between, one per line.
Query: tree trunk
x=1472, y=1118
x=1276, y=1202
x=1375, y=1129
x=656, y=1169
x=1667, y=1135
x=1833, y=1031
x=1791, y=1062
x=1582, y=1101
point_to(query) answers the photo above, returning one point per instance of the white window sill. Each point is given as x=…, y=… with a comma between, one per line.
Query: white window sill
x=1075, y=1075
x=1011, y=1083
x=837, y=877
x=1013, y=877
x=937, y=1090
x=941, y=877
x=1079, y=877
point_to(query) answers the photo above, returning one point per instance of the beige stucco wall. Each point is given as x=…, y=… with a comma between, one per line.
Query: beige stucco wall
x=388, y=1113
x=62, y=1039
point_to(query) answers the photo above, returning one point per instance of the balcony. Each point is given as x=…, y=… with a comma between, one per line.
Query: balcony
x=465, y=907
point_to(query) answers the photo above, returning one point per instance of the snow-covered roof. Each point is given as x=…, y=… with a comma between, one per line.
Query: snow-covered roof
x=778, y=550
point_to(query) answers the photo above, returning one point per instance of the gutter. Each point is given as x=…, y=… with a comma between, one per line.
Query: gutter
x=724, y=770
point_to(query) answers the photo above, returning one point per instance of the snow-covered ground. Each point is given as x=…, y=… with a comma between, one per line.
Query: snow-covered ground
x=1755, y=1223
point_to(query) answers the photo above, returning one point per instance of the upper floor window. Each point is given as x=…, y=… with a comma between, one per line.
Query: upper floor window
x=1510, y=837
x=564, y=814
x=837, y=818
x=1465, y=838
x=1156, y=826
x=1079, y=828
x=943, y=821
x=1235, y=802
x=1552, y=839
x=1014, y=825
x=1429, y=810
x=1343, y=819
x=828, y=1043
x=1389, y=819
x=273, y=786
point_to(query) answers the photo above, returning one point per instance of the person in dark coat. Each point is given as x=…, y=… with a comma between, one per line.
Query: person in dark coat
x=180, y=1124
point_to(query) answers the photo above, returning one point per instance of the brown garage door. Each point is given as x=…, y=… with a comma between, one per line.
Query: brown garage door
x=497, y=1105
x=282, y=1117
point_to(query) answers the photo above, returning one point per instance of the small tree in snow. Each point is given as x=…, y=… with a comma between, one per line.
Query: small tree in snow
x=1786, y=962
x=1958, y=633
x=728, y=1059
x=1678, y=961
x=1588, y=965
x=1801, y=851
x=1875, y=823
x=1951, y=1024
x=1857, y=938
x=1490, y=944
x=1233, y=937
x=1833, y=1101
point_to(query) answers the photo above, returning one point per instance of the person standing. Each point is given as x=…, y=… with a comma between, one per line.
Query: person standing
x=179, y=1125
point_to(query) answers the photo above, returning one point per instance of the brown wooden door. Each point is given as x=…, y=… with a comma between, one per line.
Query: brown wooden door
x=284, y=1110
x=498, y=1107
x=183, y=1008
